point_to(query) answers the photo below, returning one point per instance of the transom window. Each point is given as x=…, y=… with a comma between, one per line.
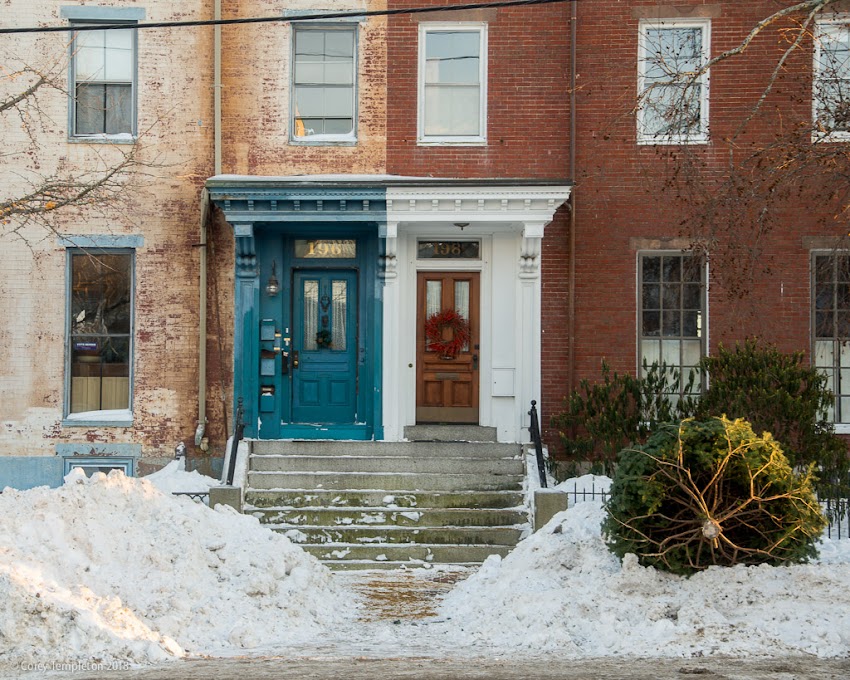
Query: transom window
x=831, y=290
x=100, y=331
x=671, y=316
x=324, y=81
x=672, y=90
x=104, y=81
x=452, y=83
x=832, y=80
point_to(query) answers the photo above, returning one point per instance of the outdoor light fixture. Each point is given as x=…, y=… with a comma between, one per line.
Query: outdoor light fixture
x=273, y=285
x=461, y=225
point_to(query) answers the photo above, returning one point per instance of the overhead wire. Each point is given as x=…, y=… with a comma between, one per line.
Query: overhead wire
x=351, y=14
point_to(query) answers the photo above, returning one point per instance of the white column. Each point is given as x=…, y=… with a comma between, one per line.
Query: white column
x=530, y=332
x=388, y=272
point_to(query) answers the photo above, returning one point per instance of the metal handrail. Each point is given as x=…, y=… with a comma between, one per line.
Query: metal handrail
x=238, y=431
x=534, y=431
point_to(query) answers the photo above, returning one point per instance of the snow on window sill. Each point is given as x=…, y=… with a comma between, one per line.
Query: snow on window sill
x=672, y=141
x=111, y=418
x=842, y=428
x=122, y=138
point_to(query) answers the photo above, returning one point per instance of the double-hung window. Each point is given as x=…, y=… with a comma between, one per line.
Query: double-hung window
x=103, y=81
x=672, y=83
x=452, y=83
x=324, y=84
x=831, y=83
x=100, y=331
x=671, y=316
x=831, y=309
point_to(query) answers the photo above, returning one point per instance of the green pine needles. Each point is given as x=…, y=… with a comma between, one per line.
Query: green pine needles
x=711, y=492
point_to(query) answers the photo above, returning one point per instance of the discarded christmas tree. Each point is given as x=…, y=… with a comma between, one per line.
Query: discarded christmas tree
x=711, y=493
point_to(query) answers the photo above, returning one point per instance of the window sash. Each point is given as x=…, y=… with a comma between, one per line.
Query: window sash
x=831, y=328
x=672, y=108
x=324, y=80
x=103, y=74
x=831, y=81
x=452, y=83
x=671, y=316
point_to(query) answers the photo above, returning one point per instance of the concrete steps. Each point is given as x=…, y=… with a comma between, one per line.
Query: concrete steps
x=383, y=505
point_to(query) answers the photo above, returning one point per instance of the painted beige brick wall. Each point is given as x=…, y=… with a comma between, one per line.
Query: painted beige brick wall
x=161, y=204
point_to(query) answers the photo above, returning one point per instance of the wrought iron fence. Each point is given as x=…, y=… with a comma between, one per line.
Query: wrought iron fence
x=197, y=496
x=837, y=510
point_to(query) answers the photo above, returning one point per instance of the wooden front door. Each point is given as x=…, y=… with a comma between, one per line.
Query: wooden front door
x=447, y=385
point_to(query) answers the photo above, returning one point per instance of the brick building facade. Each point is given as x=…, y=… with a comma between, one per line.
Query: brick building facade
x=381, y=171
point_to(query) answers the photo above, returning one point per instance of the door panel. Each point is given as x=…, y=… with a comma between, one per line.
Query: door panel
x=324, y=382
x=447, y=387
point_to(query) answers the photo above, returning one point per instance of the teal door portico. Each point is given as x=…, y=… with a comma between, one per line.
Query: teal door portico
x=307, y=351
x=323, y=362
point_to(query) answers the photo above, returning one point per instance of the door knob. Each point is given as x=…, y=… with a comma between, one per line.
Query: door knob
x=295, y=358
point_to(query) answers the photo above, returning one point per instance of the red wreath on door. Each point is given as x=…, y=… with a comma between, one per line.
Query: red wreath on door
x=434, y=326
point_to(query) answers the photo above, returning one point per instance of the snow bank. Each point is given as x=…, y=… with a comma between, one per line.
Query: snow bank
x=173, y=478
x=562, y=591
x=113, y=569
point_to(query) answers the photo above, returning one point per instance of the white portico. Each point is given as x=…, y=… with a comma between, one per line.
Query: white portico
x=481, y=239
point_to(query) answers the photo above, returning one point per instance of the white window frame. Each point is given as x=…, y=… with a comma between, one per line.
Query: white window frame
x=702, y=322
x=822, y=29
x=835, y=370
x=465, y=140
x=325, y=139
x=700, y=136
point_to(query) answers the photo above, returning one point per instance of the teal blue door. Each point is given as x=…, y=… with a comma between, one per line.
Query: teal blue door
x=324, y=362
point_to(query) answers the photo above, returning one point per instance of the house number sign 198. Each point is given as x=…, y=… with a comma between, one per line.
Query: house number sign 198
x=467, y=250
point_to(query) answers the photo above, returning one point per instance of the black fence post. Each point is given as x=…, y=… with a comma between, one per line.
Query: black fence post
x=238, y=430
x=534, y=430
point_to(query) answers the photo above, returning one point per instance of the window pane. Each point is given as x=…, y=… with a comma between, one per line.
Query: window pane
x=691, y=352
x=311, y=315
x=339, y=290
x=690, y=324
x=824, y=325
x=309, y=45
x=90, y=116
x=433, y=297
x=824, y=351
x=672, y=268
x=452, y=56
x=89, y=63
x=119, y=109
x=651, y=324
x=651, y=269
x=650, y=352
x=692, y=296
x=339, y=103
x=651, y=296
x=452, y=111
x=118, y=59
x=672, y=296
x=339, y=74
x=339, y=126
x=309, y=74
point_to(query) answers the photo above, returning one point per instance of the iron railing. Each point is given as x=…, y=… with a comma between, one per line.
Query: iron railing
x=197, y=496
x=534, y=431
x=837, y=511
x=238, y=431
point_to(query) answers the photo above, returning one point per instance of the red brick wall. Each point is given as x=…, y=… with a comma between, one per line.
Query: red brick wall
x=628, y=194
x=526, y=98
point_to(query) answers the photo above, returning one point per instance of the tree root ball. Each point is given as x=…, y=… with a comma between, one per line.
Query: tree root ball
x=711, y=492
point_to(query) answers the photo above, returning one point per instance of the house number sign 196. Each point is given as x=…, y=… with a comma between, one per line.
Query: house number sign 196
x=326, y=248
x=454, y=250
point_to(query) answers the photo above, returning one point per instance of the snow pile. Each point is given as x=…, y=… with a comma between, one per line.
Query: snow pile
x=173, y=478
x=112, y=569
x=562, y=591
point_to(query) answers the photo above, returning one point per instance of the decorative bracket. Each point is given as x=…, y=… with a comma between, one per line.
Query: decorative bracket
x=388, y=258
x=532, y=242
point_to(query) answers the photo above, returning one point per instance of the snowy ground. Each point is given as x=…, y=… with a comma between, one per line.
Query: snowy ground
x=113, y=569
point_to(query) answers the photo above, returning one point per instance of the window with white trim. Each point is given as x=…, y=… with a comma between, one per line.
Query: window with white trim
x=324, y=80
x=672, y=87
x=103, y=81
x=671, y=316
x=100, y=331
x=452, y=83
x=831, y=81
x=831, y=327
